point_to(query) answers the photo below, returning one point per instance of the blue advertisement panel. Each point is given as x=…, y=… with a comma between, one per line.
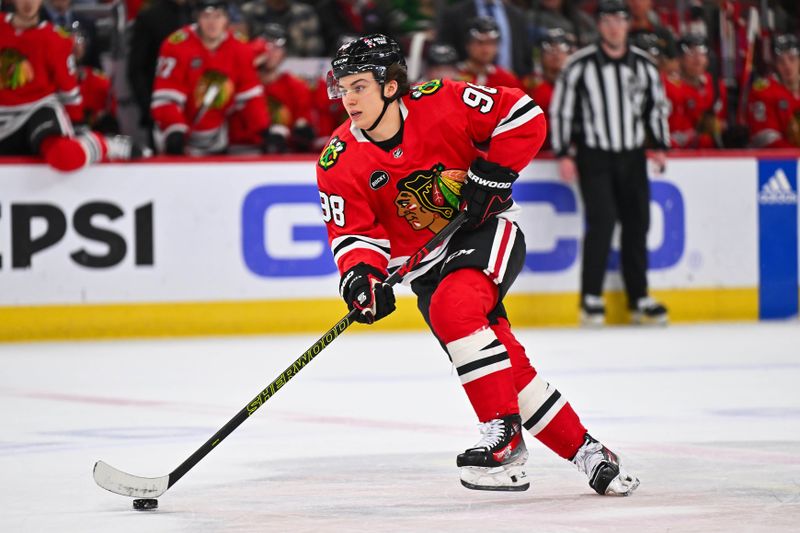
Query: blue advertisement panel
x=777, y=229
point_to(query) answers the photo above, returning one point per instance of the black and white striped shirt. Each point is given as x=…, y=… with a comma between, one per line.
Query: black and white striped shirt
x=607, y=104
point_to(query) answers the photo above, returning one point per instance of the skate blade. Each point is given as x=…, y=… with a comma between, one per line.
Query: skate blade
x=505, y=478
x=517, y=488
x=643, y=320
x=592, y=321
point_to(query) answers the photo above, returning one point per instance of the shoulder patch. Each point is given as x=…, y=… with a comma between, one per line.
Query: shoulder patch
x=61, y=32
x=425, y=89
x=177, y=37
x=239, y=36
x=760, y=84
x=330, y=155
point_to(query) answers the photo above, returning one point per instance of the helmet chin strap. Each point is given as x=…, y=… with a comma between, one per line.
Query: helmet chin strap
x=386, y=102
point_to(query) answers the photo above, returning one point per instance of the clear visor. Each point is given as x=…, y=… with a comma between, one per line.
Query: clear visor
x=336, y=91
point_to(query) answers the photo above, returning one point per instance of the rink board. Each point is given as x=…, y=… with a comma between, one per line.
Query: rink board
x=212, y=246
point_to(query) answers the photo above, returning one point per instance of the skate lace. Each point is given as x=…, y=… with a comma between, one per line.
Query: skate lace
x=588, y=457
x=492, y=433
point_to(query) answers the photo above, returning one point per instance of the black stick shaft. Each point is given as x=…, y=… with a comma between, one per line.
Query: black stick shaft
x=308, y=356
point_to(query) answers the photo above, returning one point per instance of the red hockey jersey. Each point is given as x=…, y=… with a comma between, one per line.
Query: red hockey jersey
x=696, y=116
x=96, y=92
x=494, y=77
x=380, y=207
x=773, y=115
x=36, y=67
x=196, y=89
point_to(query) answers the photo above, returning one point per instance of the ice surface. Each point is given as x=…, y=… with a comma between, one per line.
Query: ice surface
x=365, y=438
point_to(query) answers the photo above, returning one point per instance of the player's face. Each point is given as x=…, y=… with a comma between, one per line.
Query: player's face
x=27, y=8
x=788, y=66
x=640, y=8
x=442, y=72
x=482, y=51
x=361, y=98
x=613, y=28
x=213, y=23
x=694, y=61
x=555, y=55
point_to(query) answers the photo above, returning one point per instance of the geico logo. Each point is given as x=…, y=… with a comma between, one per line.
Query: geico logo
x=87, y=222
x=283, y=234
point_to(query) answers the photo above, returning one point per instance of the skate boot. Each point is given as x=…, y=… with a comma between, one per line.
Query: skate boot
x=593, y=311
x=497, y=461
x=601, y=466
x=649, y=311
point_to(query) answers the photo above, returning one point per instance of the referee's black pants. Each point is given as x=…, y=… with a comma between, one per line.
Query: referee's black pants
x=614, y=187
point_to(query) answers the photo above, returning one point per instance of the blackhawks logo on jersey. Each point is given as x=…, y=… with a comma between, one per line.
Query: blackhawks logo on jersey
x=426, y=89
x=429, y=198
x=216, y=84
x=178, y=37
x=15, y=69
x=330, y=155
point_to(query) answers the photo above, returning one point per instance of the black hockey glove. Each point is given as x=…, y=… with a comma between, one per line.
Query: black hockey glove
x=486, y=191
x=175, y=143
x=274, y=140
x=363, y=288
x=303, y=136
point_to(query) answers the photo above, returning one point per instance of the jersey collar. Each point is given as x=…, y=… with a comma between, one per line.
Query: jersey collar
x=359, y=134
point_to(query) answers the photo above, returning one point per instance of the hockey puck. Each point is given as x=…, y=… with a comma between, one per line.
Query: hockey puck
x=145, y=504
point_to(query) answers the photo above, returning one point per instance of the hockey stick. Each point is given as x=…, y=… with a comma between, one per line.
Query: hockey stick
x=119, y=482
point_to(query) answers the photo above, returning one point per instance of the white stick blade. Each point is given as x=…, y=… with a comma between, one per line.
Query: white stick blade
x=119, y=482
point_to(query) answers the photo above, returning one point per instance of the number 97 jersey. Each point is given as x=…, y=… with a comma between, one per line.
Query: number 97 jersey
x=380, y=206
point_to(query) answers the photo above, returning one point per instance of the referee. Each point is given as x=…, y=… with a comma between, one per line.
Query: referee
x=609, y=101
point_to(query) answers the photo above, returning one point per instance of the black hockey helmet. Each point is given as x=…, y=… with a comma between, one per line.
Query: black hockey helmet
x=203, y=5
x=441, y=54
x=483, y=28
x=274, y=33
x=373, y=53
x=786, y=43
x=612, y=7
x=690, y=41
x=650, y=43
x=557, y=38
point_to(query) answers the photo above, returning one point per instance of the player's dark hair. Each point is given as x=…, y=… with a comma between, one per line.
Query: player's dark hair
x=398, y=73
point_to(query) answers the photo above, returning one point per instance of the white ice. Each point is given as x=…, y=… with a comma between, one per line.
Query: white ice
x=364, y=439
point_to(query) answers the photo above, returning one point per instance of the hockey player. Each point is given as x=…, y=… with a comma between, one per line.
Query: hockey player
x=556, y=46
x=774, y=110
x=392, y=176
x=482, y=47
x=289, y=98
x=40, y=98
x=204, y=74
x=698, y=114
x=99, y=104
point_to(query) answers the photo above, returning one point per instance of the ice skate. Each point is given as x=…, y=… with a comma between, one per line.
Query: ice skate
x=601, y=466
x=649, y=311
x=593, y=311
x=497, y=461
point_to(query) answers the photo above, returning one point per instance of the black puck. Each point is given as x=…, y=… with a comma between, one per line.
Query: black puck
x=145, y=504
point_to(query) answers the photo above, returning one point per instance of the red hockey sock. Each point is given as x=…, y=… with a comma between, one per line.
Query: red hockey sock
x=545, y=413
x=458, y=314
